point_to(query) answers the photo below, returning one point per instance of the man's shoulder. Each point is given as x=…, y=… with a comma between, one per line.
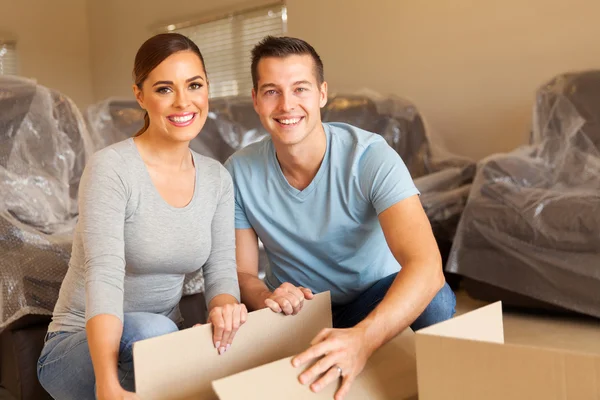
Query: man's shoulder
x=357, y=145
x=252, y=155
x=352, y=136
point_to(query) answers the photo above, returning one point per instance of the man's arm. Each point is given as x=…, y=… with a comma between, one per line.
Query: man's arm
x=255, y=294
x=408, y=234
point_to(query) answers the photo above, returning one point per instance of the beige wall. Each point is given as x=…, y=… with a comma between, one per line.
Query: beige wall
x=472, y=66
x=52, y=43
x=119, y=27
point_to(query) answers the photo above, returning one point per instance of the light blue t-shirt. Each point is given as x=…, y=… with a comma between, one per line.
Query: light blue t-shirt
x=327, y=236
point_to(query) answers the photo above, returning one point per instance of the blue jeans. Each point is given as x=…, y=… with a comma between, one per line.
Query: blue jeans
x=440, y=309
x=65, y=367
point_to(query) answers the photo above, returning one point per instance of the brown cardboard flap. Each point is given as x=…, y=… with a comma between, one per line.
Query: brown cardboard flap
x=389, y=374
x=182, y=365
x=485, y=324
x=467, y=367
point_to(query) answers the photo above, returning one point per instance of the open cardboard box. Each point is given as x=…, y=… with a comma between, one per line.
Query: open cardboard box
x=467, y=358
x=184, y=365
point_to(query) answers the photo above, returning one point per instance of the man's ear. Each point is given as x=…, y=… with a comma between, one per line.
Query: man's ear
x=254, y=100
x=323, y=94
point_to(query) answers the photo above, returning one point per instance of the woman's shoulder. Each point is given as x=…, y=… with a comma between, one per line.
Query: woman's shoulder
x=115, y=152
x=114, y=159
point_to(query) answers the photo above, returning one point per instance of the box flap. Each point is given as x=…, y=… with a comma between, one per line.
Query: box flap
x=473, y=366
x=389, y=374
x=183, y=364
x=484, y=324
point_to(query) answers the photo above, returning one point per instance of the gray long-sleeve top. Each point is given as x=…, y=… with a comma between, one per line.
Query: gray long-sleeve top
x=131, y=249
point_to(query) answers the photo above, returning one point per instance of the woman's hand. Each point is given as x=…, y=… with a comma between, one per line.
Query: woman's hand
x=227, y=316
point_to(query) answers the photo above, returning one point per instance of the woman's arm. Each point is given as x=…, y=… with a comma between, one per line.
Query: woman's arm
x=104, y=336
x=103, y=195
x=220, y=273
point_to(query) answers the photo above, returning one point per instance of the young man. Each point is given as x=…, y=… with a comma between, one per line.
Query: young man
x=337, y=210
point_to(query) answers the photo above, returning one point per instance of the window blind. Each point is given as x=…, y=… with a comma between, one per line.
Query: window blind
x=226, y=44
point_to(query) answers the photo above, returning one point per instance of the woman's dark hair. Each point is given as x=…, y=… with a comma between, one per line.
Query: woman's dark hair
x=154, y=51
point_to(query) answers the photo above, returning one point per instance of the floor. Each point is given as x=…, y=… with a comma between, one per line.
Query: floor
x=561, y=332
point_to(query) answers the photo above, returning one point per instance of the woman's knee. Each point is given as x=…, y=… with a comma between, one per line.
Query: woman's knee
x=65, y=367
x=141, y=325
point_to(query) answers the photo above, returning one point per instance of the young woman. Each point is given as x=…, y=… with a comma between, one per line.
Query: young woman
x=151, y=211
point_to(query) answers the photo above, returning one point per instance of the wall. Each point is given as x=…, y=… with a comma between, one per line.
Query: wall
x=52, y=43
x=472, y=66
x=118, y=28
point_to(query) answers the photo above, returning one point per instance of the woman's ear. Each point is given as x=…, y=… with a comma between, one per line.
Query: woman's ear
x=139, y=95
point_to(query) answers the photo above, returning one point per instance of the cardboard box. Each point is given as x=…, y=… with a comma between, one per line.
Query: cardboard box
x=184, y=365
x=467, y=358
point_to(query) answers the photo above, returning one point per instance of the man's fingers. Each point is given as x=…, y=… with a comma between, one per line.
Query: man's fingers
x=286, y=305
x=344, y=389
x=273, y=305
x=315, y=351
x=332, y=375
x=320, y=367
x=297, y=293
x=320, y=336
x=295, y=302
x=308, y=294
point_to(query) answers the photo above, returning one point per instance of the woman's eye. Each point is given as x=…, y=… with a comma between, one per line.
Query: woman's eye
x=195, y=86
x=163, y=90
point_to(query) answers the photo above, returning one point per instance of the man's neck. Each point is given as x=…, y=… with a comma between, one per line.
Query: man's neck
x=301, y=162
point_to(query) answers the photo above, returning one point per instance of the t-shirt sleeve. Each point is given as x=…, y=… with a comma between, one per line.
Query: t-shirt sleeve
x=384, y=178
x=241, y=219
x=103, y=194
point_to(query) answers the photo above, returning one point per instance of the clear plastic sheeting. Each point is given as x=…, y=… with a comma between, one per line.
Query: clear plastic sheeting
x=43, y=149
x=113, y=120
x=33, y=265
x=531, y=225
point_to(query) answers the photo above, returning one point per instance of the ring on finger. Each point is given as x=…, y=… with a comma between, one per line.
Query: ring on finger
x=339, y=369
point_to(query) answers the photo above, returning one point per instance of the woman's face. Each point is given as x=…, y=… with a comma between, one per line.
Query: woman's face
x=175, y=95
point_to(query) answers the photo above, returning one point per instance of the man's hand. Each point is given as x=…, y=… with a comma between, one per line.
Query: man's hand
x=226, y=320
x=288, y=299
x=341, y=353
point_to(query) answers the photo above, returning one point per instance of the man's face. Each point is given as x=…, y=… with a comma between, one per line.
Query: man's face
x=289, y=99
